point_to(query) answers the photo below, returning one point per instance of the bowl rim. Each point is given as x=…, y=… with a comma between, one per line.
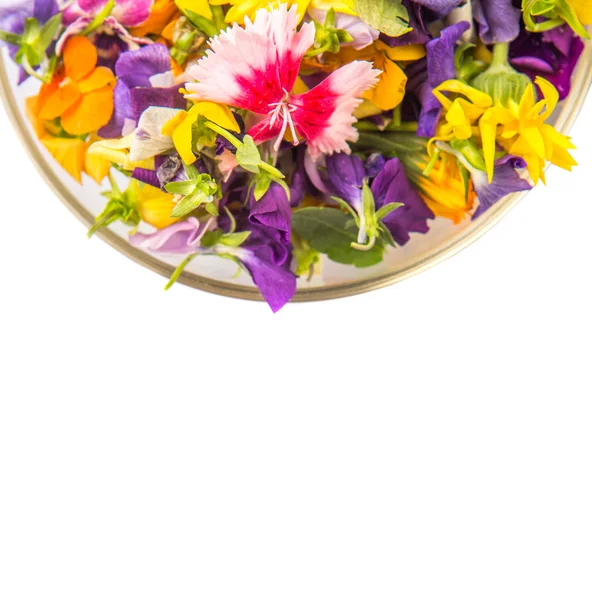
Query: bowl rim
x=565, y=121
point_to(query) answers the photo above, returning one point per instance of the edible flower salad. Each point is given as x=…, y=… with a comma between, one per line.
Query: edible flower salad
x=274, y=134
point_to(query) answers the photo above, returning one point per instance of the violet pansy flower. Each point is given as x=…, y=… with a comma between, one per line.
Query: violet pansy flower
x=345, y=179
x=145, y=79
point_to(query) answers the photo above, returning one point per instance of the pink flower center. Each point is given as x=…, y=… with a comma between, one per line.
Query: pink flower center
x=283, y=110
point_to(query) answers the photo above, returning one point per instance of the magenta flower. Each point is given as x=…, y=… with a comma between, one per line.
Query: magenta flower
x=80, y=15
x=255, y=68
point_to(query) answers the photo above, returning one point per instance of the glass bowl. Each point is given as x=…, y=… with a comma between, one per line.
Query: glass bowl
x=216, y=275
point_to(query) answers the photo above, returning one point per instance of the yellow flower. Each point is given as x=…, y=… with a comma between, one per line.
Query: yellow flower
x=462, y=112
x=392, y=82
x=71, y=153
x=525, y=133
x=444, y=190
x=247, y=8
x=155, y=206
x=519, y=128
x=181, y=125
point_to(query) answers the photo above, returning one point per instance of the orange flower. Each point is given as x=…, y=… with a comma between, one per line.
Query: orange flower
x=161, y=14
x=70, y=152
x=80, y=93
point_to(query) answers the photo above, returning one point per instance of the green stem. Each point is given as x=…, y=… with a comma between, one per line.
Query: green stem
x=178, y=271
x=31, y=71
x=225, y=134
x=500, y=55
x=432, y=163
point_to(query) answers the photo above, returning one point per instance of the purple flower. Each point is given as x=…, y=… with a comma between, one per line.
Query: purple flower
x=391, y=185
x=345, y=179
x=506, y=180
x=267, y=257
x=273, y=211
x=144, y=80
x=440, y=68
x=499, y=20
x=553, y=55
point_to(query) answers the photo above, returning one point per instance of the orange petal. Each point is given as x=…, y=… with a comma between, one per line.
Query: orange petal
x=92, y=112
x=80, y=58
x=99, y=78
x=68, y=152
x=161, y=14
x=59, y=102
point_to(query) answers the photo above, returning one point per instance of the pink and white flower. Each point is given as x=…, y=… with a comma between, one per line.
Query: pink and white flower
x=80, y=14
x=255, y=68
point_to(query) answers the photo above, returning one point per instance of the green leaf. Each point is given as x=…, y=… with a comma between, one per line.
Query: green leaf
x=11, y=38
x=262, y=185
x=332, y=232
x=180, y=188
x=49, y=31
x=388, y=16
x=386, y=210
x=234, y=240
x=247, y=155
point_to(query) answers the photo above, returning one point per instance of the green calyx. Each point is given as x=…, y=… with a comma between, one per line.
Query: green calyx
x=501, y=81
x=544, y=15
x=328, y=37
x=369, y=221
x=33, y=45
x=199, y=189
x=121, y=206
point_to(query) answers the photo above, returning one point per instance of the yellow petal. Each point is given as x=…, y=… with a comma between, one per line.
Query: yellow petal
x=155, y=206
x=68, y=152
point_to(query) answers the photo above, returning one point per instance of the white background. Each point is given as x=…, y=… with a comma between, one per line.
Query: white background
x=427, y=441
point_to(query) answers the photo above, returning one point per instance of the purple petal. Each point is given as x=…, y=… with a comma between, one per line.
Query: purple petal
x=180, y=238
x=345, y=178
x=131, y=13
x=273, y=211
x=506, y=180
x=499, y=21
x=391, y=185
x=122, y=111
x=143, y=98
x=440, y=64
x=276, y=283
x=136, y=67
